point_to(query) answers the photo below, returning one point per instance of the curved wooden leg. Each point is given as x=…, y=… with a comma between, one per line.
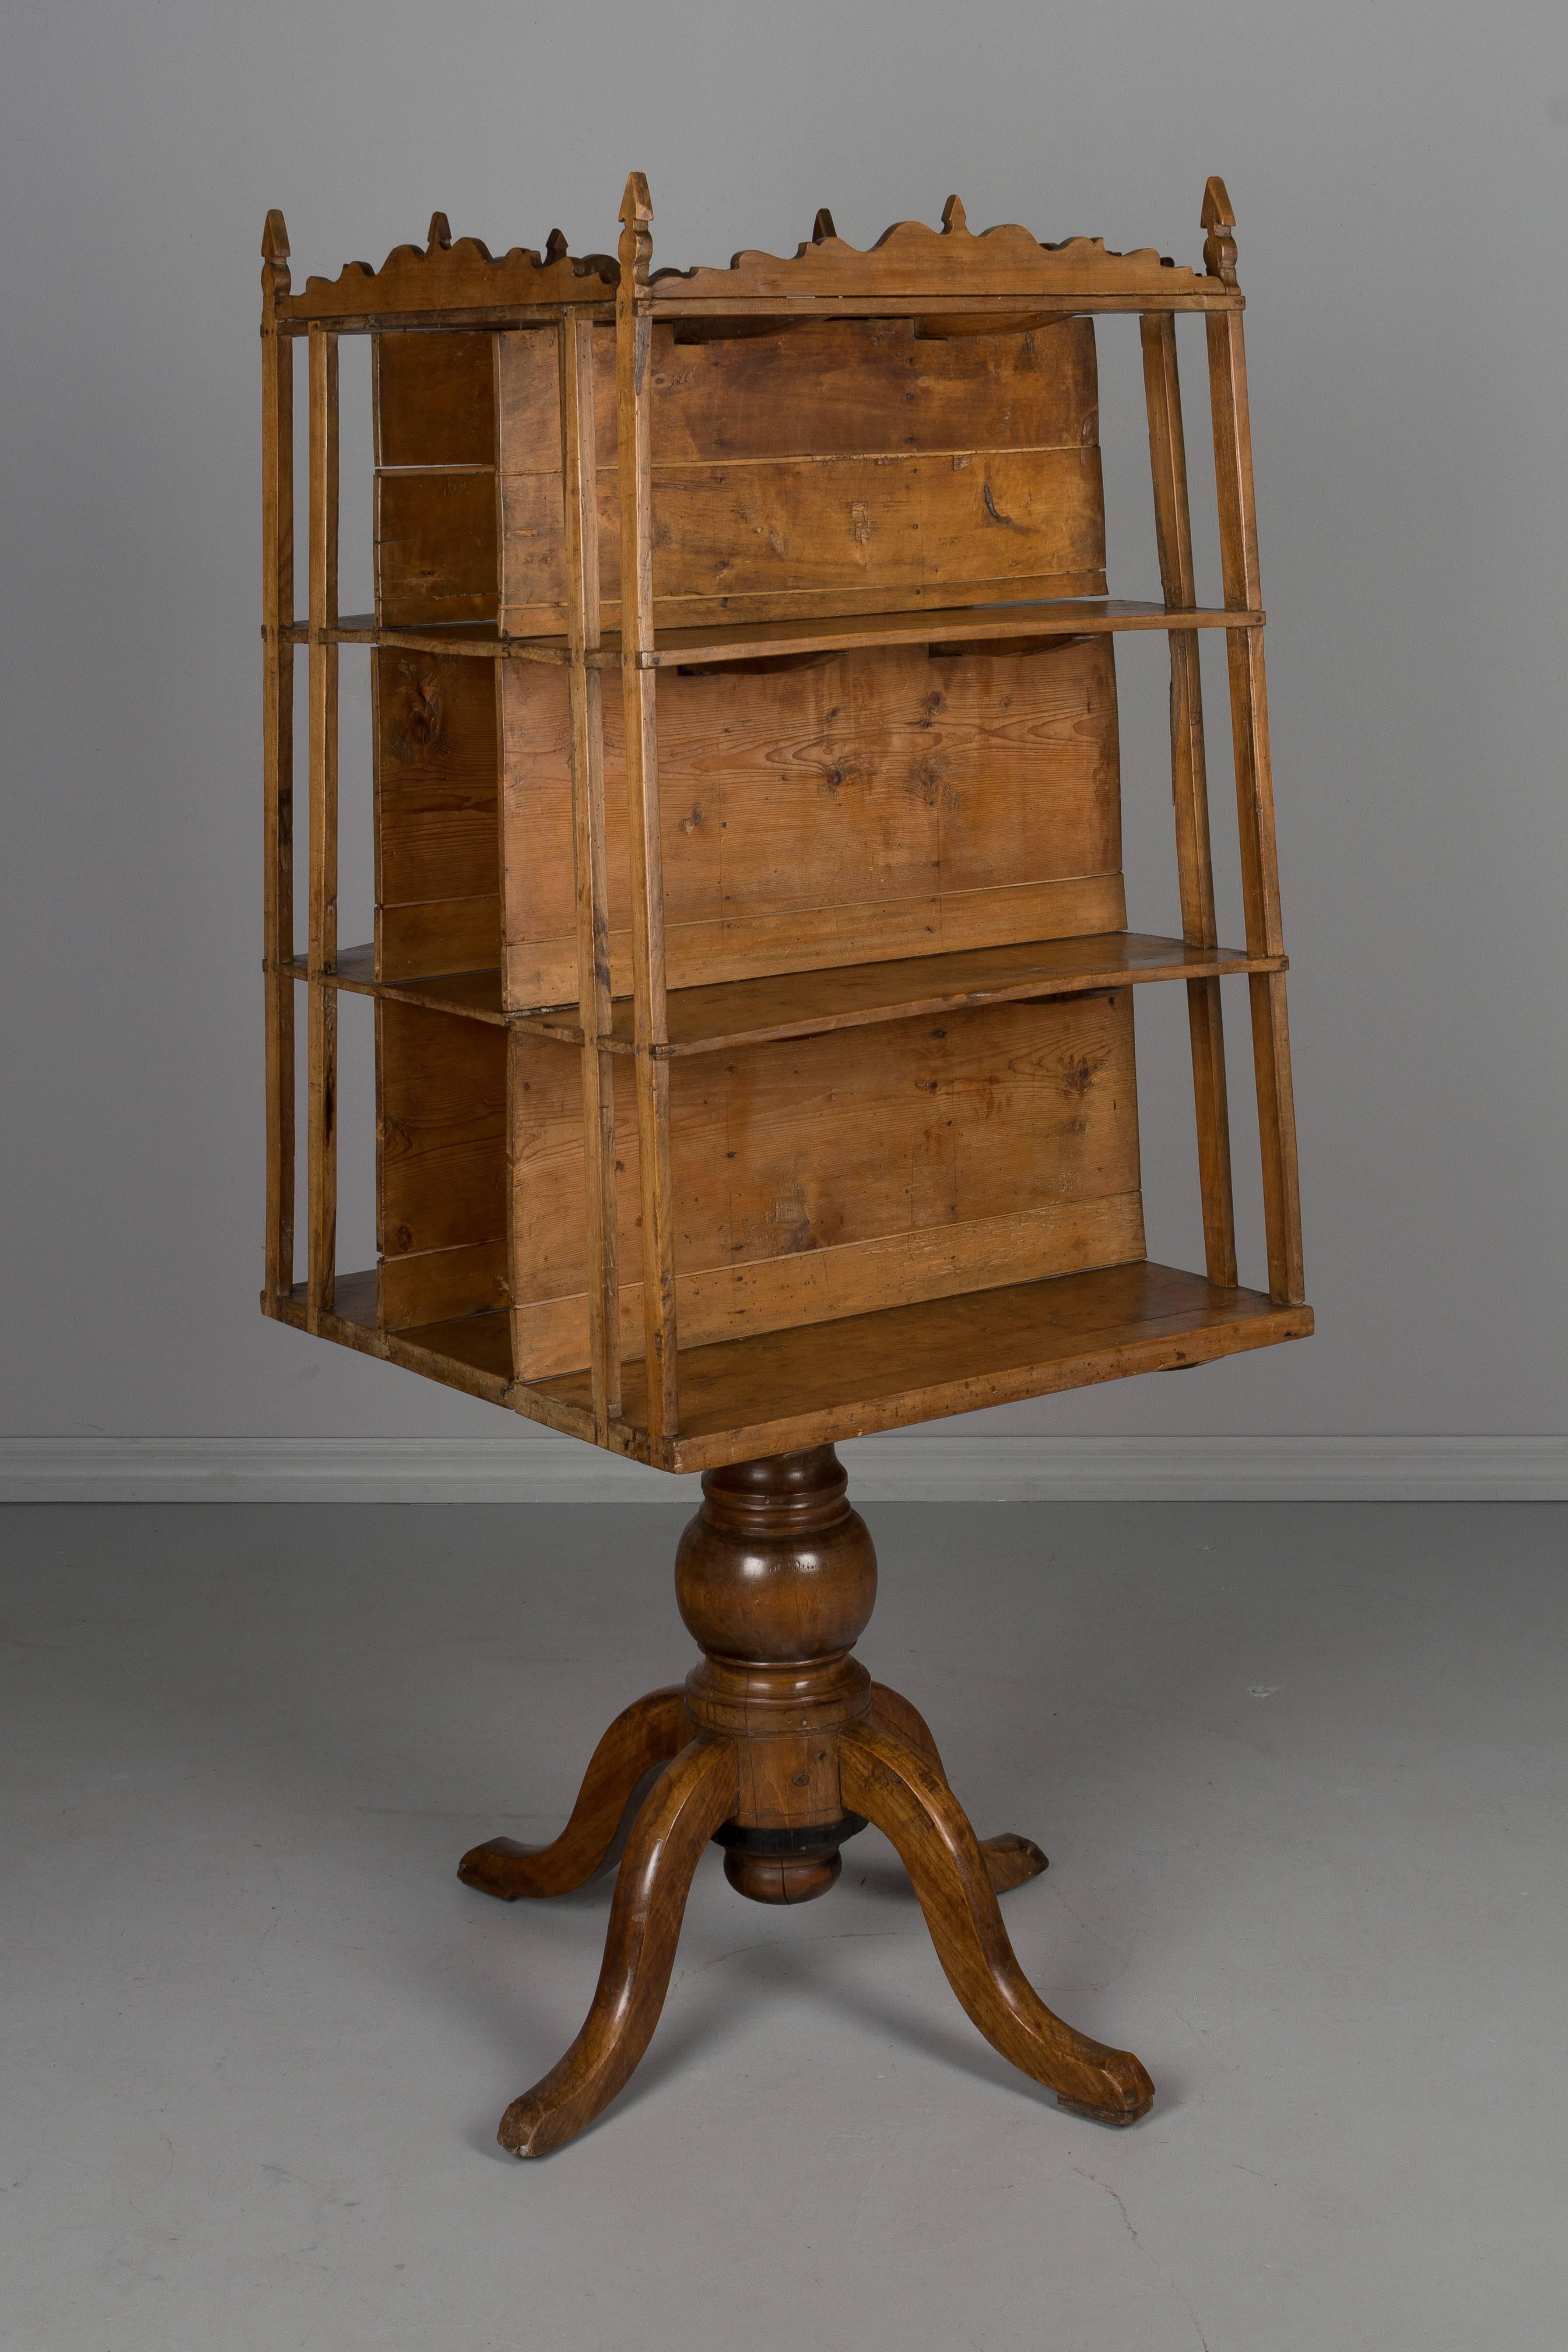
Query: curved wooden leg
x=693, y=1796
x=889, y=1782
x=647, y=1733
x=1009, y=1859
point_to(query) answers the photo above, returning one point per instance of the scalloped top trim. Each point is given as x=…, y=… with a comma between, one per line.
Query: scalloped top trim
x=910, y=257
x=461, y=275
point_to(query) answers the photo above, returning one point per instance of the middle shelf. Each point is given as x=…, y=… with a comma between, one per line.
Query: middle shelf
x=723, y=641
x=728, y=1014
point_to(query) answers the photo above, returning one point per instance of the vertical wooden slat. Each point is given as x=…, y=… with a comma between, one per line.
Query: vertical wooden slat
x=321, y=1138
x=580, y=470
x=1255, y=802
x=1189, y=788
x=277, y=756
x=633, y=331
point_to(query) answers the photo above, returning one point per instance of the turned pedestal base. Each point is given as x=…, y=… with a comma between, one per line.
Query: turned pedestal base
x=780, y=1747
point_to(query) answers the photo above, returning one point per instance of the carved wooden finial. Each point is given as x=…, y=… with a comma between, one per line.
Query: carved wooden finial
x=954, y=219
x=1219, y=246
x=556, y=246
x=275, y=257
x=440, y=237
x=636, y=244
x=822, y=228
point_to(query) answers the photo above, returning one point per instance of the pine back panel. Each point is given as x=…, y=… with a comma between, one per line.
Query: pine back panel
x=814, y=811
x=818, y=1177
x=828, y=467
x=859, y=807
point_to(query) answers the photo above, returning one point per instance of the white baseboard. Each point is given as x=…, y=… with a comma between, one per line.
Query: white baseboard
x=946, y=1466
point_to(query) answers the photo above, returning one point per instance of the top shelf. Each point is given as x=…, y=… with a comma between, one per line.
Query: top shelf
x=739, y=641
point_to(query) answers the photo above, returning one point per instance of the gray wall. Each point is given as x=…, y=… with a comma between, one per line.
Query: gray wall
x=1399, y=174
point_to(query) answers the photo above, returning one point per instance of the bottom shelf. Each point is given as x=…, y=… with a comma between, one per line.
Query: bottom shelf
x=819, y=1382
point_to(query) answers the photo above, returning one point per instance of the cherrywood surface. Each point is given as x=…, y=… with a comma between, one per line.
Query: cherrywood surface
x=897, y=1790
x=1010, y=1860
x=693, y=1796
x=644, y=1735
x=791, y=1750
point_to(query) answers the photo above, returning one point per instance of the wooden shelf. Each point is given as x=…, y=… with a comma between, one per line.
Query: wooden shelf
x=476, y=995
x=738, y=641
x=851, y=996
x=816, y=1383
x=1060, y=616
x=481, y=639
x=735, y=1013
x=822, y=1382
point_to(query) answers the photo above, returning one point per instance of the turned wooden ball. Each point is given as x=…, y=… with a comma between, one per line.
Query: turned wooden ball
x=770, y=1878
x=776, y=1569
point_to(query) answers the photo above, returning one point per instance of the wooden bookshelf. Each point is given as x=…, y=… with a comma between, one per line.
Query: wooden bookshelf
x=753, y=973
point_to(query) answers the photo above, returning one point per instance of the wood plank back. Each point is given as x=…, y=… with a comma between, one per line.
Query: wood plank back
x=814, y=469
x=437, y=715
x=441, y=1165
x=875, y=804
x=818, y=1177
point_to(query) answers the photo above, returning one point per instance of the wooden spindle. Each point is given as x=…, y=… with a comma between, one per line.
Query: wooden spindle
x=277, y=756
x=1189, y=787
x=634, y=335
x=579, y=472
x=1254, y=777
x=321, y=1136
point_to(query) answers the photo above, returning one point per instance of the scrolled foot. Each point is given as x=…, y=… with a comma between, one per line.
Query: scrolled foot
x=646, y=1733
x=895, y=1785
x=1009, y=1858
x=692, y=1797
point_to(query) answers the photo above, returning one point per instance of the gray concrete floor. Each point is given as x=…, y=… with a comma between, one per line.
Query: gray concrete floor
x=1300, y=1772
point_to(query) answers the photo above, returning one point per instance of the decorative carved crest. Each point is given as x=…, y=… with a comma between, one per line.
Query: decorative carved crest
x=910, y=258
x=444, y=274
